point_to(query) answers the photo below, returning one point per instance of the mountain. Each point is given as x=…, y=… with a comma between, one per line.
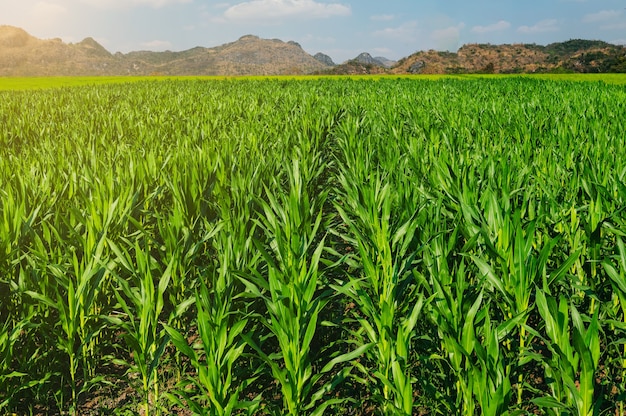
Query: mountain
x=366, y=59
x=323, y=58
x=571, y=56
x=387, y=63
x=363, y=64
x=24, y=55
x=13, y=37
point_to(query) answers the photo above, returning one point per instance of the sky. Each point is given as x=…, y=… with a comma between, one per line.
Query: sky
x=339, y=28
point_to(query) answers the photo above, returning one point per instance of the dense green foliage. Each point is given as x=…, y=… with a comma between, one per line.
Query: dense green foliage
x=391, y=246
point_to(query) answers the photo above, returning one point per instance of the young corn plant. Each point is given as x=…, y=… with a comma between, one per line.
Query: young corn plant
x=73, y=298
x=14, y=317
x=518, y=263
x=472, y=343
x=183, y=236
x=386, y=293
x=575, y=351
x=216, y=388
x=290, y=291
x=180, y=247
x=617, y=276
x=10, y=379
x=141, y=290
x=453, y=311
x=582, y=233
x=490, y=374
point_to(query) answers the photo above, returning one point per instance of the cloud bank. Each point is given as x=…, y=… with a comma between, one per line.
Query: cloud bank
x=124, y=4
x=549, y=25
x=602, y=16
x=405, y=31
x=276, y=9
x=496, y=27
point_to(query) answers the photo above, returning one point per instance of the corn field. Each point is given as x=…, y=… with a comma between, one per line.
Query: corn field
x=309, y=247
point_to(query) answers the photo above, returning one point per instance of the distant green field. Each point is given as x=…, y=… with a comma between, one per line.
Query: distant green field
x=30, y=83
x=608, y=78
x=342, y=245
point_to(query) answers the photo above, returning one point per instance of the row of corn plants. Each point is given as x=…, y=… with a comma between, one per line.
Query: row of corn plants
x=311, y=247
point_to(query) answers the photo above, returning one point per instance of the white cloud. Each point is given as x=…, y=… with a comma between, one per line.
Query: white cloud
x=43, y=19
x=382, y=18
x=124, y=4
x=381, y=50
x=159, y=3
x=602, y=16
x=439, y=35
x=495, y=27
x=406, y=31
x=614, y=26
x=49, y=9
x=449, y=37
x=315, y=38
x=550, y=25
x=275, y=9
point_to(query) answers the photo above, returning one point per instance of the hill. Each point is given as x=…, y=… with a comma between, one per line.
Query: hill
x=363, y=64
x=572, y=56
x=24, y=55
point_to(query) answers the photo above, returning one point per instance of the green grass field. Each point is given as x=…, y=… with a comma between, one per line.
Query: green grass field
x=366, y=246
x=29, y=83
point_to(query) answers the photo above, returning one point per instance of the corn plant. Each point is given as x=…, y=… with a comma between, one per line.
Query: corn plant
x=10, y=330
x=453, y=310
x=21, y=369
x=10, y=334
x=140, y=296
x=385, y=250
x=73, y=299
x=183, y=234
x=575, y=351
x=519, y=266
x=490, y=374
x=618, y=284
x=291, y=294
x=23, y=366
x=216, y=390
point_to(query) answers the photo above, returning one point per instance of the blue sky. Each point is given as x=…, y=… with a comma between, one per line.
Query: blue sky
x=339, y=28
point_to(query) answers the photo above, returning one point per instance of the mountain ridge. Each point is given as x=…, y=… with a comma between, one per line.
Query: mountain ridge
x=574, y=55
x=22, y=54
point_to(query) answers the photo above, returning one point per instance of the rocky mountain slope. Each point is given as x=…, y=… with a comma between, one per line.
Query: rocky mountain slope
x=363, y=64
x=571, y=56
x=325, y=59
x=24, y=55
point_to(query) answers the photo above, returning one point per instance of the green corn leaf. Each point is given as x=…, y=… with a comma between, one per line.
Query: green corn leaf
x=43, y=299
x=556, y=275
x=181, y=343
x=349, y=356
x=468, y=337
